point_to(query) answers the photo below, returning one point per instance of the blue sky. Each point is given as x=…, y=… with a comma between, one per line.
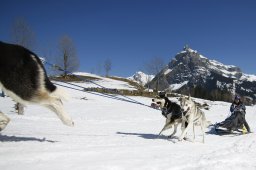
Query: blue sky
x=132, y=32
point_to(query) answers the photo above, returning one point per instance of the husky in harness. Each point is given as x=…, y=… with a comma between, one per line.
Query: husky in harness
x=192, y=115
x=170, y=110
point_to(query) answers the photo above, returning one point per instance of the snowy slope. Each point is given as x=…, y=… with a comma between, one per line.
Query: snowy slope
x=105, y=82
x=111, y=134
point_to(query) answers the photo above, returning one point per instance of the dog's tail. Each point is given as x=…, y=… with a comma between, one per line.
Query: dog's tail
x=60, y=93
x=206, y=122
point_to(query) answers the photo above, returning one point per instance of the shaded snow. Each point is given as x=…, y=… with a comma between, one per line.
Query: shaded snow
x=177, y=86
x=167, y=71
x=219, y=67
x=248, y=77
x=217, y=63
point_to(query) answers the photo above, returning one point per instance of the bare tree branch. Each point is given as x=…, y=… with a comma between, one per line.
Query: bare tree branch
x=22, y=34
x=107, y=66
x=67, y=59
x=154, y=66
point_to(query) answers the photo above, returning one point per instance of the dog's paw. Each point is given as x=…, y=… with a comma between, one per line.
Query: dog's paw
x=180, y=139
x=170, y=136
x=185, y=138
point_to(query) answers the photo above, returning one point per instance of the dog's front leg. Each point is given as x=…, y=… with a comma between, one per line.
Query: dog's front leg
x=183, y=121
x=184, y=132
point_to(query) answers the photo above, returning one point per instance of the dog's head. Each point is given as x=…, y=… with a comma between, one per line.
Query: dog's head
x=185, y=103
x=158, y=103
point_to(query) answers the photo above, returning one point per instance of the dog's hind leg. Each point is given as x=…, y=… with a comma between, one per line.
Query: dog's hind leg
x=57, y=107
x=194, y=132
x=161, y=131
x=184, y=132
x=166, y=126
x=54, y=103
x=4, y=120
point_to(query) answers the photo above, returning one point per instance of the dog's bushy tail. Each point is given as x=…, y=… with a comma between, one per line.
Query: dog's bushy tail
x=206, y=122
x=60, y=93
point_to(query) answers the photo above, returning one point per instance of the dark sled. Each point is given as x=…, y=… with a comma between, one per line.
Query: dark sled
x=234, y=124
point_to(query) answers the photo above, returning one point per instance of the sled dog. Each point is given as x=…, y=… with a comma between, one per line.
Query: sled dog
x=192, y=115
x=23, y=78
x=171, y=111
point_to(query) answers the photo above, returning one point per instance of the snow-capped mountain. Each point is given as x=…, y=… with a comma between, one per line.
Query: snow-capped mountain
x=192, y=72
x=141, y=78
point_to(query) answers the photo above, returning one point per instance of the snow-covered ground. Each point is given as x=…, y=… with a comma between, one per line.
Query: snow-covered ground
x=112, y=134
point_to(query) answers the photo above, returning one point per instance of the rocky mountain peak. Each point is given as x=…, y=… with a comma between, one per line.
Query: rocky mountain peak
x=190, y=69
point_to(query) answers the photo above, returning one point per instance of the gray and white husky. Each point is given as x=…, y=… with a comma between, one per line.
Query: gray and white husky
x=193, y=116
x=23, y=78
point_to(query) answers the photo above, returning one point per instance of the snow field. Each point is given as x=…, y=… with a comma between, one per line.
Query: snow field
x=111, y=134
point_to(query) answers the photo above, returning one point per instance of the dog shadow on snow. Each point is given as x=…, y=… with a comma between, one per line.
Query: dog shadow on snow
x=143, y=135
x=5, y=138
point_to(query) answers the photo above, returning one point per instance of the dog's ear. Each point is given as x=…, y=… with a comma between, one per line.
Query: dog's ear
x=182, y=96
x=157, y=97
x=189, y=97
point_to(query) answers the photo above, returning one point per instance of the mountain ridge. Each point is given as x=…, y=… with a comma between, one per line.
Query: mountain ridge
x=189, y=71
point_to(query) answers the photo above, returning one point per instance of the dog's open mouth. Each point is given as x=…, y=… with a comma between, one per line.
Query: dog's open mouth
x=155, y=105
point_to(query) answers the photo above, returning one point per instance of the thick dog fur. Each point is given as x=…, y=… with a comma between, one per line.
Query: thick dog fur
x=193, y=116
x=23, y=78
x=4, y=120
x=172, y=112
